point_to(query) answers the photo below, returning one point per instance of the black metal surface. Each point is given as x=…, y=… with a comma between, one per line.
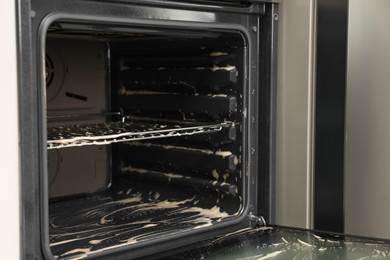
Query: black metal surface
x=330, y=115
x=266, y=114
x=29, y=98
x=131, y=212
x=284, y=243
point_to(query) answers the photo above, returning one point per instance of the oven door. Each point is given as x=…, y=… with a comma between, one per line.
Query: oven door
x=62, y=208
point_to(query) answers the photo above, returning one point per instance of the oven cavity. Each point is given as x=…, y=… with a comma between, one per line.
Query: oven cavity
x=145, y=133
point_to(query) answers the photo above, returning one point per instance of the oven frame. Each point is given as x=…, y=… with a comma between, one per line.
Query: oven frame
x=259, y=85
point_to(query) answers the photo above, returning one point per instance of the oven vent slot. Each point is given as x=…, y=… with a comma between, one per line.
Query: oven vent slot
x=198, y=168
x=214, y=77
x=183, y=158
x=115, y=132
x=215, y=105
x=187, y=60
x=179, y=179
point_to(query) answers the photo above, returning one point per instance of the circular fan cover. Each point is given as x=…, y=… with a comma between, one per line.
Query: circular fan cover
x=54, y=73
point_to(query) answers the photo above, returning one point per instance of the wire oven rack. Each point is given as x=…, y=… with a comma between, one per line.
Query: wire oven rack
x=114, y=132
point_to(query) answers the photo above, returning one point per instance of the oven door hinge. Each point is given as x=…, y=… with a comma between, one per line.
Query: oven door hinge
x=256, y=221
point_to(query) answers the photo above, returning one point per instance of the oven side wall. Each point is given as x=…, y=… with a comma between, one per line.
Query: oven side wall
x=9, y=166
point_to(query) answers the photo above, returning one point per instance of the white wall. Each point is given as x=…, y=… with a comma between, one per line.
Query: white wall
x=9, y=151
x=295, y=113
x=367, y=168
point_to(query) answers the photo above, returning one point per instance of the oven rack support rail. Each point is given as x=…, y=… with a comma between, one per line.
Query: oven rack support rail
x=76, y=135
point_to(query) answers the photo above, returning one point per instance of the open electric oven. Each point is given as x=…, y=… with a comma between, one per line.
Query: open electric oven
x=146, y=125
x=147, y=131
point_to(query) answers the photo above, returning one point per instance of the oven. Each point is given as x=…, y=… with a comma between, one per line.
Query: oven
x=145, y=125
